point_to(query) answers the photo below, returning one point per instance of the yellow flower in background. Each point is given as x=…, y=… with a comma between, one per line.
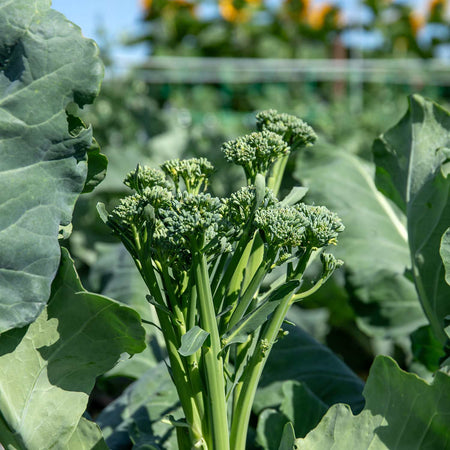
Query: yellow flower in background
x=237, y=11
x=318, y=16
x=416, y=22
x=438, y=11
x=146, y=4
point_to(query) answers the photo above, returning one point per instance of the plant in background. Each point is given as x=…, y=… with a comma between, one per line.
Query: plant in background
x=204, y=260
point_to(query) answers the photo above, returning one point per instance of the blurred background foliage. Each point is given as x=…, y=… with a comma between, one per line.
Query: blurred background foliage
x=143, y=117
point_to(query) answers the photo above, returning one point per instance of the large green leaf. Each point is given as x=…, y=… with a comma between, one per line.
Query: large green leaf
x=136, y=415
x=45, y=66
x=412, y=168
x=299, y=406
x=87, y=436
x=374, y=244
x=48, y=368
x=299, y=357
x=115, y=275
x=402, y=412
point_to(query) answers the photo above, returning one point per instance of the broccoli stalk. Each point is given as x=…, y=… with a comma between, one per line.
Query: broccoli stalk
x=204, y=261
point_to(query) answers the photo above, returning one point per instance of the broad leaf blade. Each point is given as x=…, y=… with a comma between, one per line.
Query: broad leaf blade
x=51, y=365
x=45, y=64
x=374, y=244
x=115, y=275
x=299, y=357
x=299, y=408
x=136, y=415
x=402, y=411
x=412, y=171
x=87, y=436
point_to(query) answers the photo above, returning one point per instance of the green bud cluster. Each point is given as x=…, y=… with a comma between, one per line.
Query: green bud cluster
x=127, y=214
x=282, y=226
x=255, y=152
x=146, y=177
x=241, y=205
x=329, y=264
x=192, y=217
x=194, y=172
x=323, y=225
x=293, y=130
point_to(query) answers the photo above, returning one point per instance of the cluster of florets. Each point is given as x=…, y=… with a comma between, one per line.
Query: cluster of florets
x=255, y=152
x=241, y=205
x=168, y=218
x=170, y=214
x=193, y=217
x=194, y=172
x=293, y=130
x=283, y=226
x=323, y=225
x=144, y=177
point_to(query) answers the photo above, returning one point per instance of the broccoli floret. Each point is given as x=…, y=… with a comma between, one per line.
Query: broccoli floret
x=158, y=197
x=146, y=177
x=240, y=205
x=194, y=172
x=127, y=214
x=255, y=152
x=282, y=226
x=323, y=225
x=329, y=265
x=293, y=130
x=192, y=217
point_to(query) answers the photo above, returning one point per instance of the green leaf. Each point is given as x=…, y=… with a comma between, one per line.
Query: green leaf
x=295, y=195
x=322, y=372
x=45, y=64
x=402, y=411
x=299, y=407
x=51, y=365
x=412, y=159
x=374, y=244
x=115, y=275
x=87, y=436
x=444, y=251
x=97, y=162
x=97, y=165
x=192, y=341
x=101, y=209
x=136, y=415
x=270, y=428
x=288, y=438
x=426, y=348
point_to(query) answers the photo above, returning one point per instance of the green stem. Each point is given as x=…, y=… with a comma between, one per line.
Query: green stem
x=250, y=378
x=179, y=373
x=247, y=390
x=248, y=295
x=276, y=176
x=233, y=274
x=213, y=363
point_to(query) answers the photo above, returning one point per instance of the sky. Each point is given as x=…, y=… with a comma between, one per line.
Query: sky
x=121, y=18
x=118, y=18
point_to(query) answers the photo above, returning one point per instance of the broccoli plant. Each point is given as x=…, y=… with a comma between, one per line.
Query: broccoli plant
x=205, y=259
